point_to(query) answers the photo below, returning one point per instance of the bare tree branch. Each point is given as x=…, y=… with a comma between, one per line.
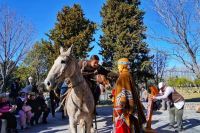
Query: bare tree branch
x=159, y=63
x=15, y=39
x=179, y=21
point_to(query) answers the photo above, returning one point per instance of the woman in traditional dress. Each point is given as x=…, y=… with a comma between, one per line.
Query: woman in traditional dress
x=126, y=102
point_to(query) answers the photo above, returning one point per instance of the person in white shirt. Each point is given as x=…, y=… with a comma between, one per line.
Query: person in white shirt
x=176, y=105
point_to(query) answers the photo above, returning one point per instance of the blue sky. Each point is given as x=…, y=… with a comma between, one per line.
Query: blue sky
x=42, y=14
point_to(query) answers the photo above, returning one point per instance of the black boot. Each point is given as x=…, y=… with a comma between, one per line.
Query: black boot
x=9, y=130
x=14, y=131
x=44, y=121
x=32, y=122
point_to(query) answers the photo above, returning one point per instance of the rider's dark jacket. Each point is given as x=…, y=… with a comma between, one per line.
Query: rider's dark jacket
x=89, y=74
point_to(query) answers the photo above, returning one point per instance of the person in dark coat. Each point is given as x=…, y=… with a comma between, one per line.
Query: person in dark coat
x=34, y=88
x=53, y=102
x=14, y=90
x=32, y=102
x=42, y=108
x=91, y=68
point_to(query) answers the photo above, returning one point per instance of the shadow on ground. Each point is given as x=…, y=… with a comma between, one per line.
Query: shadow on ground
x=190, y=123
x=193, y=100
x=107, y=118
x=50, y=127
x=187, y=125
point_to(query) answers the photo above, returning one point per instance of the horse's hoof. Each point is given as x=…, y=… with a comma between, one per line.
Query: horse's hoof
x=94, y=130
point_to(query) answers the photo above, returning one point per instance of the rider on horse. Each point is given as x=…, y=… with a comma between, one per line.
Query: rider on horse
x=91, y=68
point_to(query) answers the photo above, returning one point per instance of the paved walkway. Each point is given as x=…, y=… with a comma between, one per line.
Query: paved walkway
x=160, y=122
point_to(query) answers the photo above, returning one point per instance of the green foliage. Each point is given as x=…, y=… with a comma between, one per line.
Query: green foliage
x=197, y=82
x=72, y=28
x=180, y=82
x=23, y=72
x=123, y=35
x=171, y=81
x=37, y=62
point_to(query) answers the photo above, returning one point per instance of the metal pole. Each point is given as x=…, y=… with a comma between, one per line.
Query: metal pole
x=95, y=118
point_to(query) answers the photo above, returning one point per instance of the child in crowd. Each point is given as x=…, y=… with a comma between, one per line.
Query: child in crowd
x=23, y=110
x=6, y=112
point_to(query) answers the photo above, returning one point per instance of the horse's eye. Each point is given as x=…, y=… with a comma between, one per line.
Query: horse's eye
x=63, y=62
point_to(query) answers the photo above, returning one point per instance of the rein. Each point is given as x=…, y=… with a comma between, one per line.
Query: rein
x=70, y=87
x=67, y=93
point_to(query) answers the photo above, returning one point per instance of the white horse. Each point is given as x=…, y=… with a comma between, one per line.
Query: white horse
x=80, y=102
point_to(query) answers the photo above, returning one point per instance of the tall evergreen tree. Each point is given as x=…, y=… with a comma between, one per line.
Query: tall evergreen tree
x=123, y=36
x=73, y=28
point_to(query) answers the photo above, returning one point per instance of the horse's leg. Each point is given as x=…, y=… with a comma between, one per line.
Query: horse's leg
x=83, y=126
x=73, y=125
x=89, y=126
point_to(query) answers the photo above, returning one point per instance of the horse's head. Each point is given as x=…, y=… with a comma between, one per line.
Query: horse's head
x=63, y=67
x=101, y=79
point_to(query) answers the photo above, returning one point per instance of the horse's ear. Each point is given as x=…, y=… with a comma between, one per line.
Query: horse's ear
x=70, y=50
x=61, y=50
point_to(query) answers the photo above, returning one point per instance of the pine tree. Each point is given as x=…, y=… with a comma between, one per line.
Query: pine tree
x=123, y=36
x=73, y=28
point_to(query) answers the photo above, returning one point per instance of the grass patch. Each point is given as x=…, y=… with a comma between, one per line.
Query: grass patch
x=191, y=94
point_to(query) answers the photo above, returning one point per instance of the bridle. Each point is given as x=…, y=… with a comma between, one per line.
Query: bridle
x=63, y=71
x=68, y=60
x=71, y=86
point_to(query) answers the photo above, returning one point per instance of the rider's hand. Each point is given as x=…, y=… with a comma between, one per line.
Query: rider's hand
x=96, y=72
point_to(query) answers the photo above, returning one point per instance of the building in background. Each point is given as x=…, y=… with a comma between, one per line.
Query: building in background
x=179, y=73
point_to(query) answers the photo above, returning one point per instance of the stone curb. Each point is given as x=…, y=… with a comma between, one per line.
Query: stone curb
x=191, y=105
x=188, y=105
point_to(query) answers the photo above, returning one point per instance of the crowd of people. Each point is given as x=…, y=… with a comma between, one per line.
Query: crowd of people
x=28, y=104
